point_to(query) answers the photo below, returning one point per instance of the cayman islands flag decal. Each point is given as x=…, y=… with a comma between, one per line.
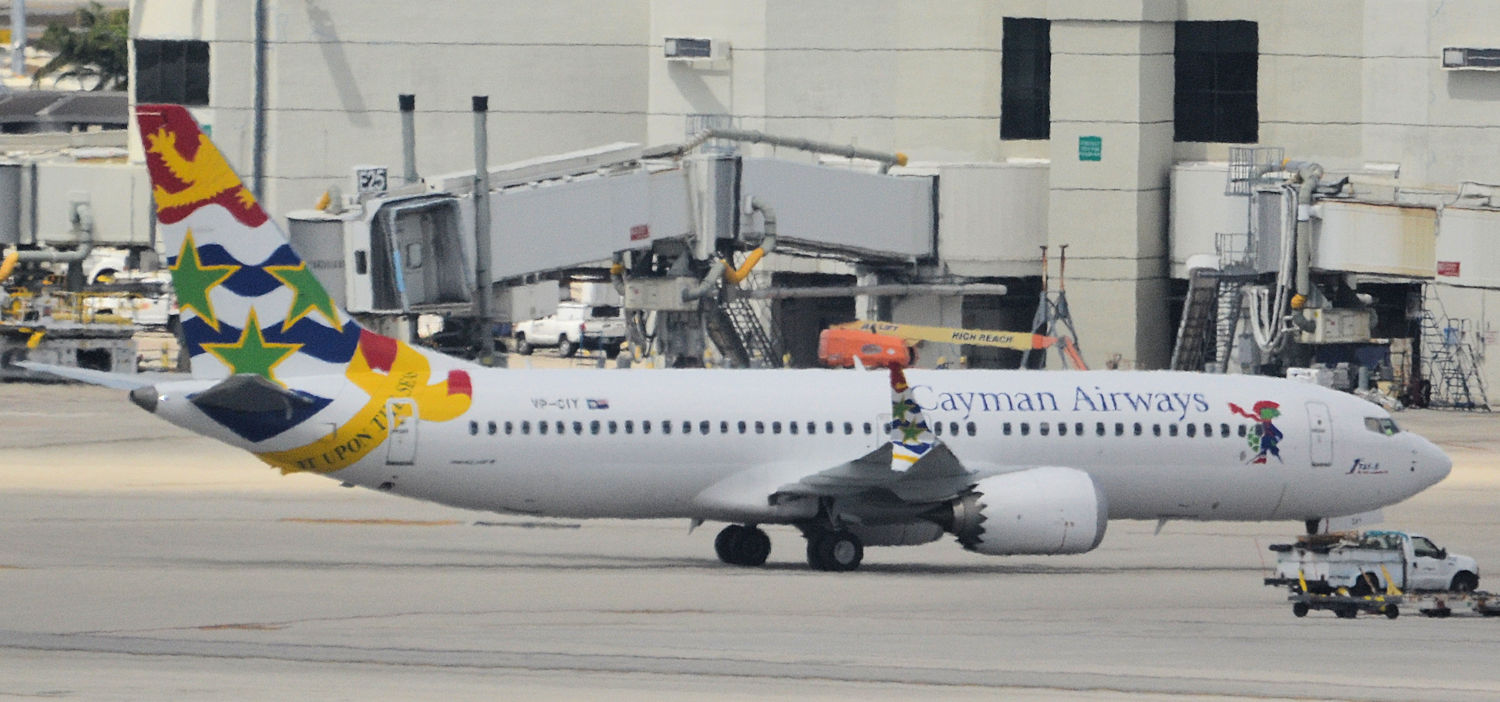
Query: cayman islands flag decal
x=910, y=436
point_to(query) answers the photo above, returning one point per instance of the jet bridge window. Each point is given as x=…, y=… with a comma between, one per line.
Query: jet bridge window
x=1381, y=426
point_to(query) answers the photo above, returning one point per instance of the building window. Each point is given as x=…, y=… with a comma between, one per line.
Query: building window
x=171, y=72
x=1026, y=79
x=1216, y=79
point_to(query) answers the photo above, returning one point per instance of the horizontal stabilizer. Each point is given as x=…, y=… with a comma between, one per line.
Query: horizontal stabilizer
x=119, y=381
x=251, y=393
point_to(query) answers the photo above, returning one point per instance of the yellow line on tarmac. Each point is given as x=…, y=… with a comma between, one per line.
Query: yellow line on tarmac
x=373, y=522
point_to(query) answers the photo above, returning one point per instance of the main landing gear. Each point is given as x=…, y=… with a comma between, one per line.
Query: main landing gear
x=834, y=550
x=743, y=545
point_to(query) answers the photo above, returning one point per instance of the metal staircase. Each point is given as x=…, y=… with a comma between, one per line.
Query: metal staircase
x=736, y=330
x=1210, y=317
x=1452, y=364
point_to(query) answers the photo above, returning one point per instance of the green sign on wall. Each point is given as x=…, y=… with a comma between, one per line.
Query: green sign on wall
x=1090, y=148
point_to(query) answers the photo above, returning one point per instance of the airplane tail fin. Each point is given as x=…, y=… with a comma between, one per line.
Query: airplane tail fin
x=911, y=438
x=248, y=303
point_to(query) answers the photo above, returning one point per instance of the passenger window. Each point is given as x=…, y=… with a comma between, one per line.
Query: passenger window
x=869, y=429
x=474, y=428
x=613, y=426
x=775, y=427
x=1119, y=428
x=578, y=428
x=1156, y=430
x=687, y=427
x=1062, y=429
x=703, y=427
x=666, y=426
x=742, y=426
x=1208, y=430
x=1099, y=429
x=848, y=428
x=972, y=429
x=1005, y=428
x=1172, y=430
x=645, y=426
x=937, y=428
x=1192, y=430
x=812, y=427
x=541, y=428
x=526, y=427
x=1224, y=430
x=594, y=427
x=827, y=427
x=792, y=426
x=1242, y=431
x=1042, y=428
x=1025, y=429
x=491, y=428
x=1078, y=429
x=760, y=427
x=509, y=428
x=630, y=426
x=1137, y=428
x=723, y=427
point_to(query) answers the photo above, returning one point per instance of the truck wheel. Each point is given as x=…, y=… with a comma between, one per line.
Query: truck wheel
x=523, y=346
x=1346, y=612
x=565, y=347
x=1299, y=610
x=1464, y=582
x=1391, y=611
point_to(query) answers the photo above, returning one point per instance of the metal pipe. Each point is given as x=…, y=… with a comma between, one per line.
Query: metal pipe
x=886, y=159
x=1308, y=174
x=18, y=37
x=767, y=243
x=482, y=280
x=408, y=137
x=258, y=113
x=881, y=290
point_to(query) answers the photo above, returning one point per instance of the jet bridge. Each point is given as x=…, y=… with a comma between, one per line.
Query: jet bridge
x=411, y=250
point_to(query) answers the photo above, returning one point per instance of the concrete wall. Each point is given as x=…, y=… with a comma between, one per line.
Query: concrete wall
x=561, y=75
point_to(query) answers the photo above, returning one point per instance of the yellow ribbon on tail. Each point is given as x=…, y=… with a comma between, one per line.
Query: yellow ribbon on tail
x=386, y=369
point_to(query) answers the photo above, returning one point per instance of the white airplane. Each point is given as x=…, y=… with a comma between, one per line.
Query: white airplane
x=1011, y=462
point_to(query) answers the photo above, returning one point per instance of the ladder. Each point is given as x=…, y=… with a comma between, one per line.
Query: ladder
x=1451, y=364
x=736, y=329
x=1210, y=318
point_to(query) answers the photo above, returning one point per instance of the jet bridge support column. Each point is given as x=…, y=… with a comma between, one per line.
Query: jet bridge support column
x=484, y=286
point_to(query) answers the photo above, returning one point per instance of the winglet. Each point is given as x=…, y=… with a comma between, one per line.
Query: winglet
x=911, y=438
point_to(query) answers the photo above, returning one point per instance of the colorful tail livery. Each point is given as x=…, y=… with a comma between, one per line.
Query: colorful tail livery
x=253, y=313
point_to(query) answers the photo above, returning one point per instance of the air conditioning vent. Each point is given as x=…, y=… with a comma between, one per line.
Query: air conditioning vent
x=694, y=49
x=1470, y=59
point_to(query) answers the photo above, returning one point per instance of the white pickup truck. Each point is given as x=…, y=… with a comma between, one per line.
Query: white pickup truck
x=575, y=325
x=1361, y=563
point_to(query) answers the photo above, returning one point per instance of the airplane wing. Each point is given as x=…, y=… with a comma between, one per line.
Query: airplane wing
x=914, y=468
x=118, y=381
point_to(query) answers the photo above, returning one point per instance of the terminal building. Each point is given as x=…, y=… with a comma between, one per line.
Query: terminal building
x=1151, y=137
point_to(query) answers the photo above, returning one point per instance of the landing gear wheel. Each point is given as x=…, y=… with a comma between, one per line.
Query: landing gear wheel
x=742, y=545
x=837, y=551
x=565, y=347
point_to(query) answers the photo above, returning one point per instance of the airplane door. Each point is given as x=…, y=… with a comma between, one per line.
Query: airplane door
x=401, y=446
x=1320, y=433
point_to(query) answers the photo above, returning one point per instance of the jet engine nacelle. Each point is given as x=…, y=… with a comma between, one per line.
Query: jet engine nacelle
x=1045, y=511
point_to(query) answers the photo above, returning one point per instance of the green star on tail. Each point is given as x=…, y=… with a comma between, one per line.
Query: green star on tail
x=911, y=432
x=252, y=353
x=308, y=295
x=191, y=280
